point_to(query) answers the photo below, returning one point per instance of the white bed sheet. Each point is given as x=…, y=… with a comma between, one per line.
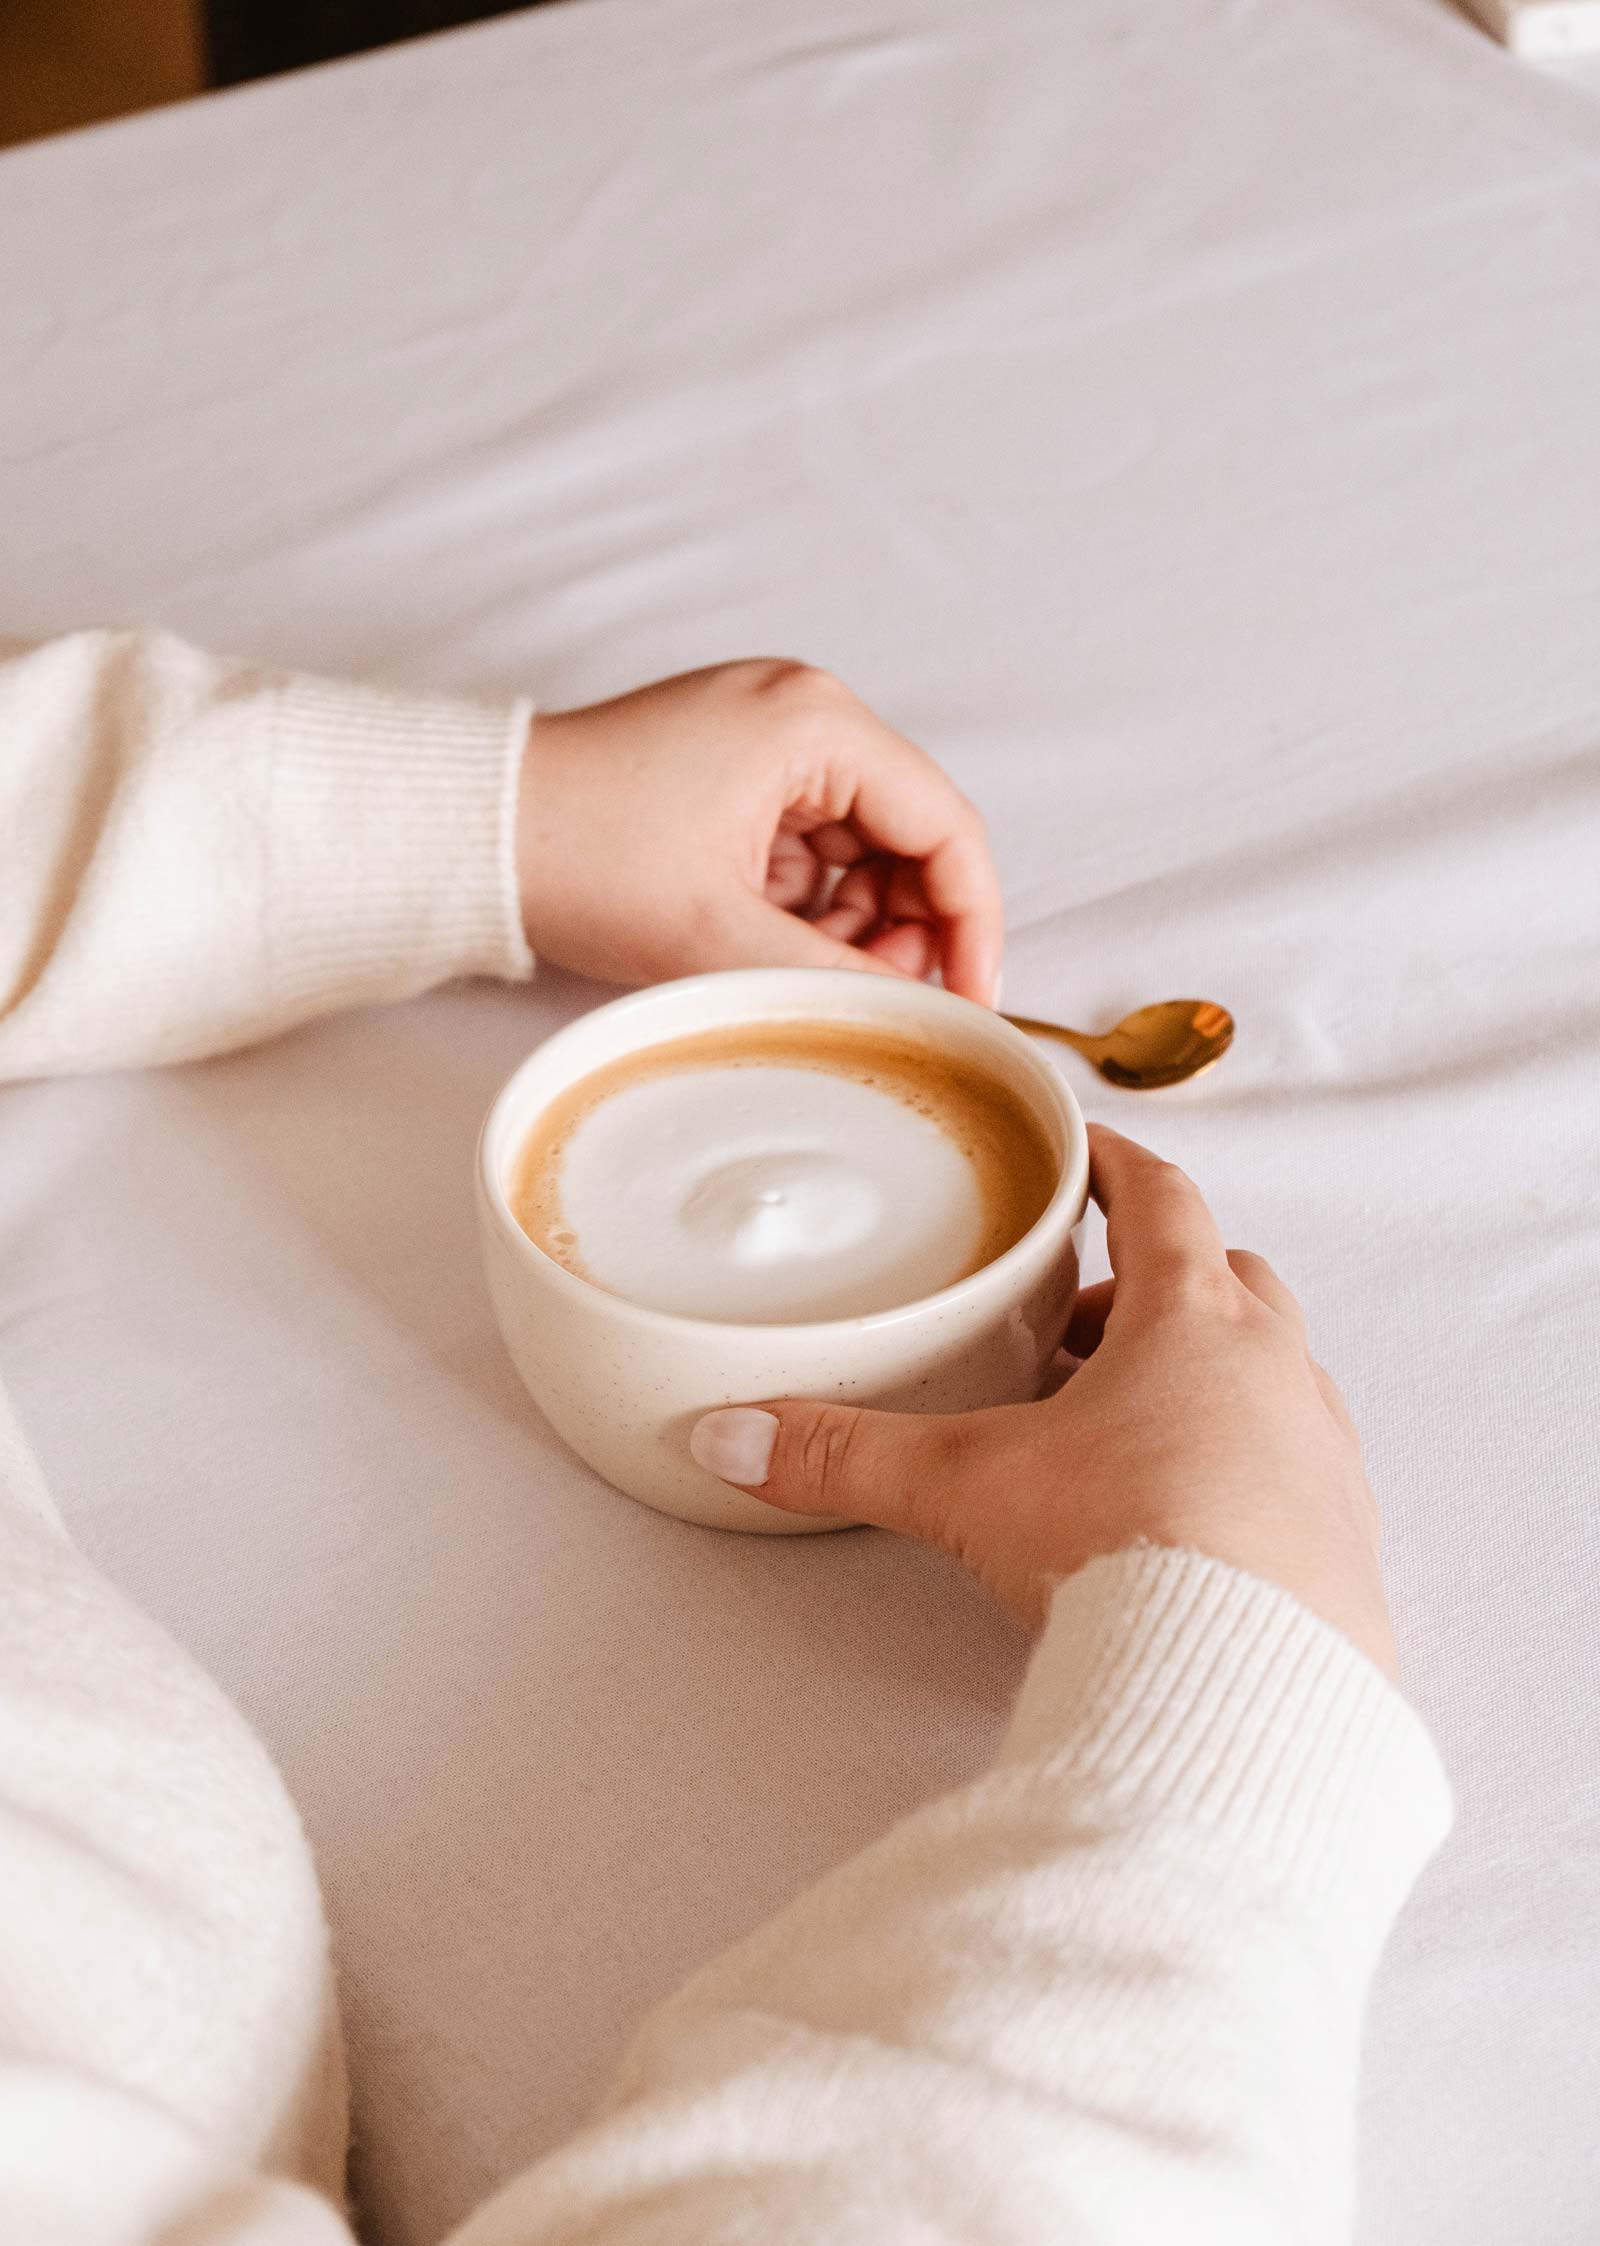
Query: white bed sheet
x=1184, y=419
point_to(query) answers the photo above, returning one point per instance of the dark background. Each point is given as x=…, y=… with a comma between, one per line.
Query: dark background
x=68, y=63
x=253, y=38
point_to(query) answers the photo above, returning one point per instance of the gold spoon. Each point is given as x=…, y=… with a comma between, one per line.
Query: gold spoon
x=1162, y=1044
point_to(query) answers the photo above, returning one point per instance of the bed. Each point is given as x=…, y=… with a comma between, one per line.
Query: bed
x=1183, y=420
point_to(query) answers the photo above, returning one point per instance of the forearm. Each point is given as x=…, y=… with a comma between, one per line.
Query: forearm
x=192, y=855
x=195, y=854
x=167, y=2030
x=1112, y=1992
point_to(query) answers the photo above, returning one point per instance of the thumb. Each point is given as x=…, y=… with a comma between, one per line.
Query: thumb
x=884, y=1468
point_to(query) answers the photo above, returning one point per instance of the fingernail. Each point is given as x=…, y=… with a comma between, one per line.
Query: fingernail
x=735, y=1445
x=998, y=990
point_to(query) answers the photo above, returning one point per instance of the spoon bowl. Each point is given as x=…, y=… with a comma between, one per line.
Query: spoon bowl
x=1157, y=1045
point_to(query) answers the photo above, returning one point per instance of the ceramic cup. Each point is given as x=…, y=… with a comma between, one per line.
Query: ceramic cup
x=624, y=1385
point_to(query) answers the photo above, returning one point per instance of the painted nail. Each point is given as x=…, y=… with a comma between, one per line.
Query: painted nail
x=735, y=1445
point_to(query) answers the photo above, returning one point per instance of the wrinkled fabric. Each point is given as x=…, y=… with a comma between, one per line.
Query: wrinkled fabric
x=1182, y=420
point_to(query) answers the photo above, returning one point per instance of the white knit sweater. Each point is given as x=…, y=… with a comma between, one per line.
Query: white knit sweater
x=1110, y=1992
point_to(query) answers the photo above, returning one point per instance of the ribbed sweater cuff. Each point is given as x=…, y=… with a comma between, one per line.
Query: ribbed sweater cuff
x=1170, y=1689
x=392, y=833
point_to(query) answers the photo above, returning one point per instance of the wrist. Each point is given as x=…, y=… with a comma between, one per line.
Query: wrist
x=538, y=847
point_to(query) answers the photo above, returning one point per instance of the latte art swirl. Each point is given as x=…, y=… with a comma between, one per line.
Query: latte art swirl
x=770, y=1208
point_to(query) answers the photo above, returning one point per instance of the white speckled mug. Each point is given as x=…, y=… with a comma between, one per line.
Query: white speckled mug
x=624, y=1384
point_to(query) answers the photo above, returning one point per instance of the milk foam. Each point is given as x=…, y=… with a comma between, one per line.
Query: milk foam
x=767, y=1195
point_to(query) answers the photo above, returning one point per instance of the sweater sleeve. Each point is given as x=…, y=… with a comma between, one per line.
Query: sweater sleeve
x=195, y=854
x=1112, y=1993
x=170, y=2064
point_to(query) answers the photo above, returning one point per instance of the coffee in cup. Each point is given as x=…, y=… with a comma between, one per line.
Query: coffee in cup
x=896, y=1143
x=783, y=1172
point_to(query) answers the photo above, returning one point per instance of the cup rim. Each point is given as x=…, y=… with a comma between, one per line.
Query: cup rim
x=1073, y=1184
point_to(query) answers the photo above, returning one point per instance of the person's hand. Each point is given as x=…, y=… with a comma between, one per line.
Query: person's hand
x=704, y=822
x=1197, y=1418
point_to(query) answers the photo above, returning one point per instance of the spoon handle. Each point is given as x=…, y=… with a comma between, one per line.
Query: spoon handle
x=1076, y=1038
